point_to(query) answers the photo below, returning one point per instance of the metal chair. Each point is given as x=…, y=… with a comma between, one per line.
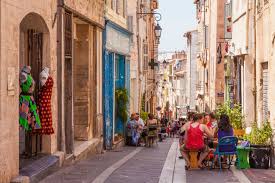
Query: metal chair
x=227, y=146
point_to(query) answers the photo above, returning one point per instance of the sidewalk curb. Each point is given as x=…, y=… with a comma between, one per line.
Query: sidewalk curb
x=167, y=173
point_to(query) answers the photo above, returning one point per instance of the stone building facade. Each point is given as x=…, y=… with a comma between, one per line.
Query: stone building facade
x=65, y=36
x=191, y=68
x=80, y=27
x=116, y=75
x=216, y=53
x=17, y=20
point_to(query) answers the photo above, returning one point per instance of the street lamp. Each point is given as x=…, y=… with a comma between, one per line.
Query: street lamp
x=158, y=31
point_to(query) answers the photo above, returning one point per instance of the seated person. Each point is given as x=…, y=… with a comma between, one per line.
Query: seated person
x=211, y=123
x=194, y=139
x=224, y=129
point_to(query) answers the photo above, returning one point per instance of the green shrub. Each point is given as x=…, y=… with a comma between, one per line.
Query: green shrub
x=235, y=114
x=144, y=115
x=122, y=100
x=260, y=136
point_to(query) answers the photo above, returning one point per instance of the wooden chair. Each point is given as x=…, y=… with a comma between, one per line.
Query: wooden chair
x=193, y=154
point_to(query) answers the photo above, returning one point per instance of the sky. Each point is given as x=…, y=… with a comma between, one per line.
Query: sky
x=178, y=17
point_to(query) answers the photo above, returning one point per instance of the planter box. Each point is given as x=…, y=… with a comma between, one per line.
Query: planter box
x=259, y=157
x=239, y=132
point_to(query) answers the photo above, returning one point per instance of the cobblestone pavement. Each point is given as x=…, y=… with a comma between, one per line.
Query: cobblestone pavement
x=260, y=175
x=213, y=176
x=87, y=170
x=145, y=166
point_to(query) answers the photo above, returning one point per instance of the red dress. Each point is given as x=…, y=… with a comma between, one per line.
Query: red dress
x=194, y=138
x=44, y=108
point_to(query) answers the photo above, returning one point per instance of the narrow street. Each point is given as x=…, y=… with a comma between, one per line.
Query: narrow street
x=87, y=86
x=141, y=165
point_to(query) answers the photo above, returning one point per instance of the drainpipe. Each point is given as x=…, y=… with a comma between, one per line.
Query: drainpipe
x=205, y=55
x=139, y=60
x=254, y=57
x=61, y=126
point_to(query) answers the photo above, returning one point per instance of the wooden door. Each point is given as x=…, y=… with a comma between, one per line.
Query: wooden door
x=68, y=96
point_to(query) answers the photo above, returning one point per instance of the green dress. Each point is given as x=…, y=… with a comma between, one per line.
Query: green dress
x=28, y=115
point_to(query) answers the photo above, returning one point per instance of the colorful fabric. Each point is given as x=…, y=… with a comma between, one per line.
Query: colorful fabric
x=44, y=108
x=25, y=87
x=28, y=117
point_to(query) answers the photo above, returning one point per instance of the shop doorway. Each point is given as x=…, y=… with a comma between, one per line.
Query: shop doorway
x=120, y=73
x=34, y=36
x=79, y=82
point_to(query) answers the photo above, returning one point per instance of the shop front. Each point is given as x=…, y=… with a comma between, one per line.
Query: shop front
x=116, y=77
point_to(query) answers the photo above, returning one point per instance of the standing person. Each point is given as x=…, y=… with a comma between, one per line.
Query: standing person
x=194, y=139
x=152, y=128
x=168, y=129
x=173, y=129
x=132, y=135
x=140, y=127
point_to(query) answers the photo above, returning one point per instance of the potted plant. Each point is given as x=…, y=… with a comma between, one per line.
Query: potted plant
x=260, y=140
x=144, y=115
x=235, y=116
x=122, y=99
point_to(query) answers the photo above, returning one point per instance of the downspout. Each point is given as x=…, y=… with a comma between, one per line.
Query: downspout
x=204, y=52
x=139, y=62
x=254, y=57
x=61, y=126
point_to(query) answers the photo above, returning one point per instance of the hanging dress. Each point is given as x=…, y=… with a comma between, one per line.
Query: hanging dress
x=28, y=116
x=44, y=107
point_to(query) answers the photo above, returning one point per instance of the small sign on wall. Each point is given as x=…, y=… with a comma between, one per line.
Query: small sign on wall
x=11, y=81
x=220, y=94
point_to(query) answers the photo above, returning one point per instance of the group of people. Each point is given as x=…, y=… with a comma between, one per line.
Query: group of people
x=136, y=128
x=202, y=132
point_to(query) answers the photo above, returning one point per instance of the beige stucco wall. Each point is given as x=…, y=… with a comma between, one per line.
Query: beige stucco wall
x=265, y=53
x=92, y=9
x=216, y=71
x=12, y=13
x=272, y=67
x=264, y=47
x=112, y=14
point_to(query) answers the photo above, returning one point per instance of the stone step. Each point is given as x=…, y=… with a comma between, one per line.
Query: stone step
x=40, y=168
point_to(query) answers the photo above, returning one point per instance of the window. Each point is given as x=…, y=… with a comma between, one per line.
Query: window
x=121, y=7
x=265, y=91
x=113, y=4
x=130, y=27
x=206, y=41
x=145, y=55
x=228, y=20
x=118, y=6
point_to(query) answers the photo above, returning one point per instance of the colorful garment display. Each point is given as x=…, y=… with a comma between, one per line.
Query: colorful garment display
x=44, y=103
x=28, y=116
